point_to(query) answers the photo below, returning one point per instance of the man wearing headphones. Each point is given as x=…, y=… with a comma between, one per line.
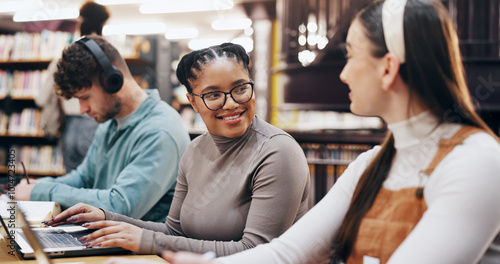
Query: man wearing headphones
x=131, y=166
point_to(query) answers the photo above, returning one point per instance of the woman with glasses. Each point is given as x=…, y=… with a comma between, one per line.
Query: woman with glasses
x=241, y=184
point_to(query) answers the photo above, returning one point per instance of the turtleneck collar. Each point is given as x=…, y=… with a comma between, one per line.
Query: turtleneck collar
x=412, y=131
x=224, y=143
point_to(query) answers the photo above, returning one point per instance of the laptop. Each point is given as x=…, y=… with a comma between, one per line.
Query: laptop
x=55, y=242
x=39, y=254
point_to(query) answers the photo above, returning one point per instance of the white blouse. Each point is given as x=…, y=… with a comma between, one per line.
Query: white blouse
x=461, y=224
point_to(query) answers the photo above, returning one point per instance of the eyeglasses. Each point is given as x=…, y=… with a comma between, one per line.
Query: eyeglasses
x=217, y=99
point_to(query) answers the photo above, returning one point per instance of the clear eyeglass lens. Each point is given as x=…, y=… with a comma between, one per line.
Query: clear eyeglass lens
x=240, y=94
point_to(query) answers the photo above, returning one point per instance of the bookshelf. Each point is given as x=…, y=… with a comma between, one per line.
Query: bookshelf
x=20, y=129
x=329, y=152
x=24, y=58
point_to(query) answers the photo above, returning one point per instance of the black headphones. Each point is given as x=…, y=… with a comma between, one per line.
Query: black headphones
x=111, y=78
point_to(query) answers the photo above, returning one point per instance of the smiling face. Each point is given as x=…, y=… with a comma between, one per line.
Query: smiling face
x=98, y=104
x=362, y=73
x=223, y=74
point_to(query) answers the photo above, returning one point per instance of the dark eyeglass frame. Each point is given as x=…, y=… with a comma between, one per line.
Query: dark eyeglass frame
x=202, y=96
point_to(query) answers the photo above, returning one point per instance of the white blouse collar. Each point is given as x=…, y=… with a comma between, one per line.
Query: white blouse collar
x=413, y=130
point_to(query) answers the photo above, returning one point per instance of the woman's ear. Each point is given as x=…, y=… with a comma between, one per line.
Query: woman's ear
x=390, y=70
x=191, y=101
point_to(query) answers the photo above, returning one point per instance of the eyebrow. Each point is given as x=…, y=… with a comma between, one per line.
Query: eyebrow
x=233, y=84
x=80, y=96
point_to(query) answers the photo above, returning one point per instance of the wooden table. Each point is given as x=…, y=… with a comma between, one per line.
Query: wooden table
x=6, y=258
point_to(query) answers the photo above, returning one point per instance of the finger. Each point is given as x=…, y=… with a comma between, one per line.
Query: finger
x=103, y=228
x=67, y=214
x=56, y=224
x=168, y=256
x=112, y=240
x=101, y=224
x=126, y=241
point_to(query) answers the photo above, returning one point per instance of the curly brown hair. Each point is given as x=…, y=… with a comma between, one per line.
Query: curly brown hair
x=77, y=67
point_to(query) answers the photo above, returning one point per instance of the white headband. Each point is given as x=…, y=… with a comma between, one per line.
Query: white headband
x=392, y=22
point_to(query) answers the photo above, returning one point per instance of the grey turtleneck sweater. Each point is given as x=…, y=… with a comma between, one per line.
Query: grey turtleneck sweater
x=232, y=193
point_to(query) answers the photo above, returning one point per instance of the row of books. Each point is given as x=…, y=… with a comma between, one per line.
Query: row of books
x=24, y=46
x=307, y=120
x=25, y=123
x=328, y=176
x=333, y=153
x=47, y=45
x=21, y=84
x=39, y=159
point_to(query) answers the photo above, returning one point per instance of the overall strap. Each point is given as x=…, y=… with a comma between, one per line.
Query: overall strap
x=447, y=145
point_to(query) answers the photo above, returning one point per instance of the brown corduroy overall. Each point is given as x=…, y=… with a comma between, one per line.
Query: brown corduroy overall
x=394, y=214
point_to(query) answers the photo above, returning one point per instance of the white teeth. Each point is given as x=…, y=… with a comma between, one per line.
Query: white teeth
x=230, y=117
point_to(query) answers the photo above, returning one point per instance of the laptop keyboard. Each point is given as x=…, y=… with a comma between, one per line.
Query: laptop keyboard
x=56, y=239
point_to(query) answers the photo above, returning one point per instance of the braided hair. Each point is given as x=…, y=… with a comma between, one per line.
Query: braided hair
x=196, y=59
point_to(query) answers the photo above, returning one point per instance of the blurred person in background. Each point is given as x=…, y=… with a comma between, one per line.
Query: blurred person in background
x=61, y=117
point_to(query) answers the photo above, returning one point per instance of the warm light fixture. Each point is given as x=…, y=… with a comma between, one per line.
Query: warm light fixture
x=123, y=2
x=245, y=42
x=181, y=33
x=302, y=40
x=42, y=15
x=134, y=29
x=306, y=57
x=23, y=5
x=196, y=44
x=182, y=6
x=231, y=24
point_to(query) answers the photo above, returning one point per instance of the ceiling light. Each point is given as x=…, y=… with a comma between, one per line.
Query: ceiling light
x=302, y=40
x=15, y=6
x=42, y=15
x=246, y=42
x=186, y=6
x=181, y=33
x=196, y=44
x=122, y=2
x=134, y=29
x=323, y=41
x=231, y=24
x=249, y=31
x=312, y=27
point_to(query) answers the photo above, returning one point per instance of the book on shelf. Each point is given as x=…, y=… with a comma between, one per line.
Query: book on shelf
x=4, y=123
x=336, y=153
x=21, y=84
x=309, y=120
x=25, y=123
x=38, y=160
x=24, y=46
x=323, y=179
x=47, y=45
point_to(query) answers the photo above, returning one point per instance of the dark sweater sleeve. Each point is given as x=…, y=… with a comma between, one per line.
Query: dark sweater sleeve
x=279, y=196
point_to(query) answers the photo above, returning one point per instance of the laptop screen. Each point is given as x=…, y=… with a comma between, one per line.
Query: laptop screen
x=10, y=234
